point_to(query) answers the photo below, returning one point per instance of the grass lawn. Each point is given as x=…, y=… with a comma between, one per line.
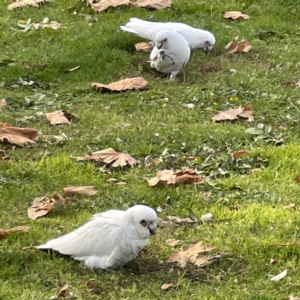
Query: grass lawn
x=144, y=124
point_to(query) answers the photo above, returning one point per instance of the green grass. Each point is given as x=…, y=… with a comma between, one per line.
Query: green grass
x=249, y=237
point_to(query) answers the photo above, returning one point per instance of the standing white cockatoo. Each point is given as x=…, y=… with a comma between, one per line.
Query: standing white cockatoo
x=196, y=38
x=170, y=53
x=110, y=239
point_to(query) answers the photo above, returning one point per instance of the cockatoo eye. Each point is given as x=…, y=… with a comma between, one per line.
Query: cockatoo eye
x=143, y=223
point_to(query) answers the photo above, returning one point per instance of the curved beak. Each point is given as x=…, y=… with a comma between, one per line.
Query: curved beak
x=152, y=227
x=209, y=47
x=159, y=45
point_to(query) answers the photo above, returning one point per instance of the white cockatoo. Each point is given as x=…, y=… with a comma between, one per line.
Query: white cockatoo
x=110, y=239
x=170, y=53
x=196, y=38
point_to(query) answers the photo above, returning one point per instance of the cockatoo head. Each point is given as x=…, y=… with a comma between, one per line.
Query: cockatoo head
x=206, y=40
x=143, y=220
x=164, y=38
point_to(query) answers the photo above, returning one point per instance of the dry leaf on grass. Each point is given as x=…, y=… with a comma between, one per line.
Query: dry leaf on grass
x=27, y=25
x=234, y=113
x=238, y=46
x=111, y=157
x=3, y=102
x=18, y=136
x=105, y=4
x=173, y=242
x=192, y=253
x=59, y=117
x=153, y=4
x=235, y=15
x=5, y=232
x=166, y=286
x=179, y=220
x=297, y=178
x=2, y=125
x=40, y=207
x=189, y=176
x=239, y=153
x=85, y=190
x=135, y=83
x=144, y=46
x=23, y=3
x=62, y=292
x=116, y=181
x=64, y=201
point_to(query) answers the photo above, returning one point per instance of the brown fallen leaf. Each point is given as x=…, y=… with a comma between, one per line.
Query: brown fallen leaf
x=23, y=3
x=105, y=4
x=59, y=117
x=111, y=157
x=189, y=176
x=235, y=15
x=62, y=292
x=172, y=242
x=192, y=253
x=166, y=286
x=235, y=207
x=64, y=201
x=179, y=220
x=144, y=46
x=18, y=136
x=135, y=83
x=234, y=113
x=161, y=223
x=5, y=232
x=40, y=207
x=2, y=125
x=3, y=102
x=239, y=153
x=236, y=46
x=297, y=178
x=163, y=177
x=153, y=4
x=273, y=260
x=116, y=181
x=86, y=190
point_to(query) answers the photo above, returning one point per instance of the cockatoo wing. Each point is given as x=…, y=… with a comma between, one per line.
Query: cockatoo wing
x=97, y=237
x=148, y=30
x=196, y=37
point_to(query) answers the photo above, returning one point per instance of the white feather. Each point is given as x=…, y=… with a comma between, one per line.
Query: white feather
x=171, y=52
x=109, y=240
x=196, y=38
